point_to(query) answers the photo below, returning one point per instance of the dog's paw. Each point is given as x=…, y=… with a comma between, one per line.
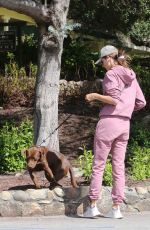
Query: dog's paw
x=54, y=184
x=38, y=186
x=76, y=186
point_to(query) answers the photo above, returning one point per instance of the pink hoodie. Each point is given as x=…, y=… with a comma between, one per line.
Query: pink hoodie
x=120, y=83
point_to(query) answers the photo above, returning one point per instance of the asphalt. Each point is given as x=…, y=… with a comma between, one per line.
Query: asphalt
x=138, y=221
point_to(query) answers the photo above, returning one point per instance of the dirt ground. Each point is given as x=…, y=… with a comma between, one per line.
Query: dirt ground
x=77, y=131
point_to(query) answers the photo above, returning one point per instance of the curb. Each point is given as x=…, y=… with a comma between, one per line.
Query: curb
x=67, y=201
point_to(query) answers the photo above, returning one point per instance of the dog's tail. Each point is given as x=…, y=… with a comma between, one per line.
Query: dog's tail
x=73, y=180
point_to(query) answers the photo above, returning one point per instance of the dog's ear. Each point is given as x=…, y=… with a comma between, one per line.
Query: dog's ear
x=41, y=151
x=45, y=150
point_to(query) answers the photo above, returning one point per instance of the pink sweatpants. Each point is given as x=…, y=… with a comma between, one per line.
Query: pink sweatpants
x=112, y=134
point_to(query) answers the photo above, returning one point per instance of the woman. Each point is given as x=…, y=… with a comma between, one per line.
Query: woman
x=121, y=96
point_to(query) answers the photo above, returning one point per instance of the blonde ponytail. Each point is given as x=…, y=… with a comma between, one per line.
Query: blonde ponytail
x=123, y=58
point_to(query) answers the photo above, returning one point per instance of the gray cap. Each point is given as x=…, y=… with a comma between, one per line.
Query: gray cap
x=105, y=51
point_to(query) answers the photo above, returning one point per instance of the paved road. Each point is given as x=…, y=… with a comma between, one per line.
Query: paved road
x=140, y=221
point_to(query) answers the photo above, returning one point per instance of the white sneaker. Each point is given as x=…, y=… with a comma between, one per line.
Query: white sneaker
x=114, y=213
x=91, y=212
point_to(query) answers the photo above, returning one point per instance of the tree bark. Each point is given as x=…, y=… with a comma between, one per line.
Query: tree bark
x=49, y=64
x=30, y=8
x=47, y=90
x=47, y=82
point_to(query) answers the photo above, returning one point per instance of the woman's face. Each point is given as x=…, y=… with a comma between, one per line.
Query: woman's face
x=107, y=62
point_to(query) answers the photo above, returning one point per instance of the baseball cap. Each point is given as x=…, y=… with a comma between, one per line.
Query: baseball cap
x=105, y=51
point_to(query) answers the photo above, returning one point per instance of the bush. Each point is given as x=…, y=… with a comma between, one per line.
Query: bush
x=16, y=92
x=143, y=78
x=138, y=152
x=139, y=136
x=139, y=163
x=137, y=158
x=78, y=62
x=13, y=139
x=85, y=162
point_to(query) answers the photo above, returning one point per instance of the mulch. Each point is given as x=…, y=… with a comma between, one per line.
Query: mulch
x=77, y=131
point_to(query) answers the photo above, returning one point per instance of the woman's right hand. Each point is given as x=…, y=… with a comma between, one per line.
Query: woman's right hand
x=90, y=97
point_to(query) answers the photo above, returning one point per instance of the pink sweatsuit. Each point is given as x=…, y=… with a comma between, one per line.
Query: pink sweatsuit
x=112, y=131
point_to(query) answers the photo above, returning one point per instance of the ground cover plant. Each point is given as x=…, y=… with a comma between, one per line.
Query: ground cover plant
x=13, y=139
x=137, y=157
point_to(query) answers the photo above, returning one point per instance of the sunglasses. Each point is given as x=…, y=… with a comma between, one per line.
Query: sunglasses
x=103, y=58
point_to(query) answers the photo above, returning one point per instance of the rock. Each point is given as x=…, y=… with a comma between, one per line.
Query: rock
x=38, y=194
x=44, y=202
x=78, y=172
x=18, y=175
x=105, y=200
x=50, y=195
x=143, y=205
x=129, y=208
x=5, y=195
x=148, y=188
x=32, y=209
x=55, y=208
x=10, y=209
x=131, y=196
x=141, y=190
x=58, y=192
x=21, y=196
x=69, y=201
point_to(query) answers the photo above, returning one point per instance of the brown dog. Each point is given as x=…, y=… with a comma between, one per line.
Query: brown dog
x=54, y=164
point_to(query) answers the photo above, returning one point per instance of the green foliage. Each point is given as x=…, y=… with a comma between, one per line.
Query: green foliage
x=139, y=162
x=13, y=139
x=105, y=17
x=30, y=40
x=143, y=78
x=139, y=136
x=12, y=69
x=29, y=48
x=64, y=31
x=85, y=162
x=107, y=180
x=138, y=153
x=140, y=31
x=78, y=61
x=16, y=87
x=16, y=91
x=137, y=159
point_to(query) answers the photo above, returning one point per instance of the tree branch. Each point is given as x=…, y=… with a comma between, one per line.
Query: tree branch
x=51, y=14
x=32, y=8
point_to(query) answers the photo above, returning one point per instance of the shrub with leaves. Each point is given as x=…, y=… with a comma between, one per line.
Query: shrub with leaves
x=139, y=163
x=85, y=162
x=78, y=62
x=13, y=139
x=138, y=152
x=143, y=78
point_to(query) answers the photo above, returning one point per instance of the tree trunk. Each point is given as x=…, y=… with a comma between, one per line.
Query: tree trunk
x=47, y=91
x=47, y=81
x=50, y=50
